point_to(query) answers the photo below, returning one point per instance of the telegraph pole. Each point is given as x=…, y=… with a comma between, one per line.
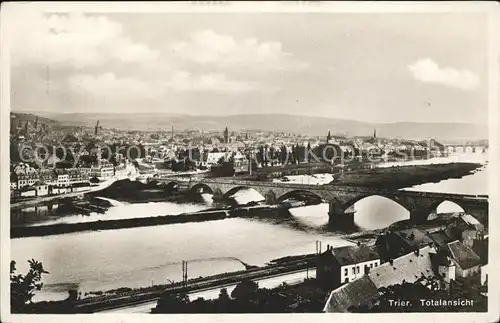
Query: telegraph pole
x=184, y=273
x=318, y=247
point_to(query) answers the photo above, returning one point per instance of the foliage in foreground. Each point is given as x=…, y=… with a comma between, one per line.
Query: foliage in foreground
x=23, y=287
x=247, y=297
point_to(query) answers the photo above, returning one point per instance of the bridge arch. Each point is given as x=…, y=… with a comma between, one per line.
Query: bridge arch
x=201, y=188
x=446, y=206
x=299, y=193
x=171, y=185
x=351, y=202
x=235, y=190
x=373, y=211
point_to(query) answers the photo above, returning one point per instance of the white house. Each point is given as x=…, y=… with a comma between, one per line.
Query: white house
x=467, y=262
x=41, y=188
x=213, y=158
x=104, y=171
x=63, y=180
x=342, y=265
x=28, y=192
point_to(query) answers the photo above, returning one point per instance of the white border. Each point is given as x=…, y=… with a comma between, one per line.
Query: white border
x=232, y=7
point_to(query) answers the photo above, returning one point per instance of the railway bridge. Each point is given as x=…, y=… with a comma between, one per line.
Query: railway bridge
x=466, y=148
x=340, y=198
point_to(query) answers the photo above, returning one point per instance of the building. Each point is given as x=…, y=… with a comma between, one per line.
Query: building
x=341, y=265
x=79, y=187
x=213, y=158
x=76, y=176
x=361, y=292
x=27, y=191
x=465, y=259
x=62, y=178
x=240, y=163
x=484, y=274
x=466, y=229
x=104, y=171
x=121, y=171
x=41, y=188
x=409, y=268
x=226, y=136
x=13, y=181
x=24, y=180
x=397, y=243
x=48, y=176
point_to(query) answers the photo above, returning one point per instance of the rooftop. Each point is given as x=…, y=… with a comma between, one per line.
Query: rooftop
x=409, y=268
x=359, y=292
x=463, y=255
x=348, y=255
x=415, y=237
x=363, y=291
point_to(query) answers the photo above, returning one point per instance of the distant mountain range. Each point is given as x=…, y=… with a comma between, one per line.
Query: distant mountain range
x=446, y=132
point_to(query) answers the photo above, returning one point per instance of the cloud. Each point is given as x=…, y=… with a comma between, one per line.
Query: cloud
x=208, y=47
x=184, y=81
x=426, y=70
x=83, y=59
x=109, y=86
x=73, y=39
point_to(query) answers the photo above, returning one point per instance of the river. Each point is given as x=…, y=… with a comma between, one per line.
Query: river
x=92, y=261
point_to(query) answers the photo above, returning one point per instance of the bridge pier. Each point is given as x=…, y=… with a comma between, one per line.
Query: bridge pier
x=419, y=215
x=339, y=217
x=270, y=198
x=217, y=195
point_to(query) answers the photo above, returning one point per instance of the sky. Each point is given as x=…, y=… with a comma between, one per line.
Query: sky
x=374, y=67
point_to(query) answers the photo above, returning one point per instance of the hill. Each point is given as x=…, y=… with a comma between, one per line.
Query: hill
x=275, y=122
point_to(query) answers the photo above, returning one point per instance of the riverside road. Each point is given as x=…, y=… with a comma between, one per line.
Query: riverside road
x=137, y=297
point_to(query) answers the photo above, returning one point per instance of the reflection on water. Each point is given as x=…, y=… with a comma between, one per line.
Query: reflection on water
x=136, y=257
x=142, y=256
x=128, y=211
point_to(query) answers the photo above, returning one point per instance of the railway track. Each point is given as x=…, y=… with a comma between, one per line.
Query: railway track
x=131, y=298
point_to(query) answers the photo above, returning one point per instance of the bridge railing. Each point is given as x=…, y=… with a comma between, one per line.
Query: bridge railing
x=328, y=187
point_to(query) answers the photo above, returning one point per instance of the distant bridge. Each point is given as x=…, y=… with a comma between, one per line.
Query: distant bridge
x=340, y=198
x=463, y=148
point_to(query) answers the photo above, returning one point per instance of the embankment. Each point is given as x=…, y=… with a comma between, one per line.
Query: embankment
x=206, y=215
x=405, y=176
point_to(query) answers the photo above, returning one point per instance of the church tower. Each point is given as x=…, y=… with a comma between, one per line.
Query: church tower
x=226, y=135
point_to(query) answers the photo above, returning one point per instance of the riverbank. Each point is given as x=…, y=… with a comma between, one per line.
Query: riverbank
x=45, y=199
x=200, y=216
x=397, y=177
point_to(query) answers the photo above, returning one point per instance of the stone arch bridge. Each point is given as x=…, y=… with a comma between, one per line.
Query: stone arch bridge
x=340, y=198
x=463, y=148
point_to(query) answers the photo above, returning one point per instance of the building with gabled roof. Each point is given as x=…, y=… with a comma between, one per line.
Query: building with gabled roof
x=467, y=261
x=344, y=264
x=357, y=293
x=409, y=268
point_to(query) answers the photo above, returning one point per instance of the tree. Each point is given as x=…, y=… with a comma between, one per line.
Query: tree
x=244, y=289
x=172, y=303
x=224, y=295
x=22, y=287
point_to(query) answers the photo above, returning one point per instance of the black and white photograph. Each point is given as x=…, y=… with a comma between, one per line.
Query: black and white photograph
x=249, y=158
